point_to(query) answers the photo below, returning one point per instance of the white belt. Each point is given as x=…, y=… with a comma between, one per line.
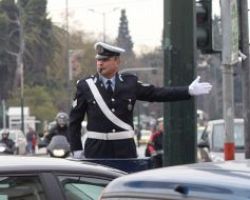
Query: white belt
x=110, y=136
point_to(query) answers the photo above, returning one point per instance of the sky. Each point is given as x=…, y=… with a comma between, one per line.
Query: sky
x=145, y=19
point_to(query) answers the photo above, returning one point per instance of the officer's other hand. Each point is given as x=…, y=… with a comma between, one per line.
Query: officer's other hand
x=78, y=154
x=199, y=88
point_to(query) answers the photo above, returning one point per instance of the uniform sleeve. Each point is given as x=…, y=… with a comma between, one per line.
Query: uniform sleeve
x=76, y=117
x=148, y=92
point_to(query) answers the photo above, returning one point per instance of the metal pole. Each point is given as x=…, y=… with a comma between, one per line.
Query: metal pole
x=67, y=64
x=230, y=50
x=22, y=100
x=4, y=114
x=228, y=111
x=103, y=20
x=104, y=26
x=179, y=69
x=244, y=39
x=20, y=65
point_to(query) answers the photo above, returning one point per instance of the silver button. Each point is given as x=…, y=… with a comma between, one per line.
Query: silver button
x=93, y=102
x=113, y=130
x=112, y=99
x=113, y=110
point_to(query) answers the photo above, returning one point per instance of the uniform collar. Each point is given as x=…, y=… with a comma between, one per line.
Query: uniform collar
x=104, y=79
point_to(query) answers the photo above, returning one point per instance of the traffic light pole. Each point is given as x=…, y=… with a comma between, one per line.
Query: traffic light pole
x=244, y=43
x=179, y=69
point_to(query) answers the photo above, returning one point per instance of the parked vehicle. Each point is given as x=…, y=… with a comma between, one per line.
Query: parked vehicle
x=145, y=135
x=199, y=181
x=46, y=178
x=19, y=138
x=59, y=147
x=213, y=137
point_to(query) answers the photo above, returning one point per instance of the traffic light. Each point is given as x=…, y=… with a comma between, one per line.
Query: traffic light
x=204, y=25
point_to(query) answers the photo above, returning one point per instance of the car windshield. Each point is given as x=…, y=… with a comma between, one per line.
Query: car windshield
x=219, y=136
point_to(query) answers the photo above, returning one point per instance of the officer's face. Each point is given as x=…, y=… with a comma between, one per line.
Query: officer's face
x=108, y=67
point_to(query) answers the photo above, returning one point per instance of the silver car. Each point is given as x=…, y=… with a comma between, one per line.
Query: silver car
x=45, y=178
x=19, y=139
x=199, y=181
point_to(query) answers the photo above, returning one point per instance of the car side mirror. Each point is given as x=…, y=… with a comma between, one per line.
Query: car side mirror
x=203, y=144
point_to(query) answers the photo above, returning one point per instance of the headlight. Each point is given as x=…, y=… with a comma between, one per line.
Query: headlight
x=58, y=152
x=2, y=149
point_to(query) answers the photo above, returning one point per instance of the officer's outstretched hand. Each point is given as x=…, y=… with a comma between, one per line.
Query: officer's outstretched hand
x=197, y=88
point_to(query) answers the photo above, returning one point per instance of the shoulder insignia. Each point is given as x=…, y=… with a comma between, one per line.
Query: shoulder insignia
x=120, y=77
x=127, y=74
x=74, y=104
x=143, y=84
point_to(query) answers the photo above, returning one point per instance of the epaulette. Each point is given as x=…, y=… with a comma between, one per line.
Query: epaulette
x=125, y=76
x=90, y=76
x=85, y=78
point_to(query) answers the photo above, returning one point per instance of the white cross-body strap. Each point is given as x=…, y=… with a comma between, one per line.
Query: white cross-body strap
x=104, y=108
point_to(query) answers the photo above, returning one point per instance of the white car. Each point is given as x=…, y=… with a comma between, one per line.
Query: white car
x=19, y=138
x=214, y=137
x=145, y=136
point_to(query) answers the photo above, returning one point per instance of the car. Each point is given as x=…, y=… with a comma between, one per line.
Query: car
x=214, y=136
x=145, y=136
x=199, y=181
x=200, y=130
x=46, y=178
x=19, y=138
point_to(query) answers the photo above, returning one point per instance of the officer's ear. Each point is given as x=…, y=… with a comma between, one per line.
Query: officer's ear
x=118, y=60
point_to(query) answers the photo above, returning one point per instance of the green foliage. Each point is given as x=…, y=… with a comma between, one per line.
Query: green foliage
x=38, y=99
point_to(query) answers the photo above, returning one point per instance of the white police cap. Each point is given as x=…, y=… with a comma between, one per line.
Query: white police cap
x=104, y=50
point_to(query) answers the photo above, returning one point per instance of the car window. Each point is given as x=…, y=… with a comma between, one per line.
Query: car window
x=25, y=188
x=82, y=188
x=219, y=136
x=239, y=136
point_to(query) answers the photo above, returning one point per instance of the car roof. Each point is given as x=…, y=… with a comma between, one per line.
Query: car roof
x=11, y=131
x=193, y=180
x=219, y=121
x=29, y=164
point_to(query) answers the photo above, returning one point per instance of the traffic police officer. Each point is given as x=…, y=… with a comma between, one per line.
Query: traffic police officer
x=108, y=99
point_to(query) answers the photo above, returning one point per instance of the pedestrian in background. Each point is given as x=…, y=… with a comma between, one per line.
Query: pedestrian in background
x=108, y=99
x=154, y=148
x=31, y=138
x=138, y=135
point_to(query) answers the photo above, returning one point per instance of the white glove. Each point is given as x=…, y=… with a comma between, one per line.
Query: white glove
x=78, y=154
x=197, y=88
